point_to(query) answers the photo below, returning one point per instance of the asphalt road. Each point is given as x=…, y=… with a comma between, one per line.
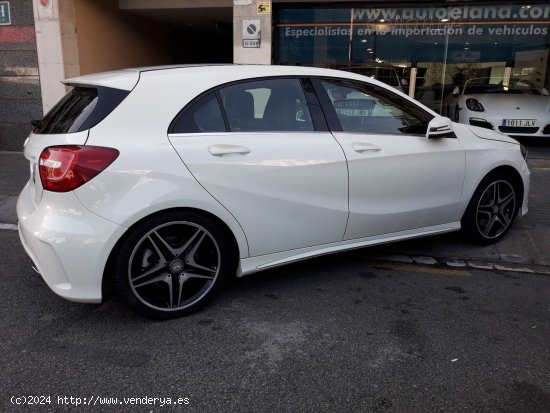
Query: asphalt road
x=538, y=148
x=338, y=333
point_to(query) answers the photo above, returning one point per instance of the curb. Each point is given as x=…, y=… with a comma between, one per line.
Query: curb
x=465, y=263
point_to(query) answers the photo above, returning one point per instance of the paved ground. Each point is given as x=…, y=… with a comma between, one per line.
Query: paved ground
x=338, y=333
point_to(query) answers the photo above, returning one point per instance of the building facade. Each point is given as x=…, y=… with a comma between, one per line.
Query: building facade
x=423, y=49
x=20, y=97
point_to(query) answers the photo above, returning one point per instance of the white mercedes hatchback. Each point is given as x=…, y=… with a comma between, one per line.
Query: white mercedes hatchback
x=165, y=181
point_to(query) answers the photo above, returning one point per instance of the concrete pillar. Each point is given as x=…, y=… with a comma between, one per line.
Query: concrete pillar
x=252, y=31
x=57, y=47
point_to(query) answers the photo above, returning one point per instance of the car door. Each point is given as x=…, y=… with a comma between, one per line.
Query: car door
x=399, y=180
x=255, y=148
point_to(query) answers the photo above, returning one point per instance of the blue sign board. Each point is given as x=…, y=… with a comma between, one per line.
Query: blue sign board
x=5, y=17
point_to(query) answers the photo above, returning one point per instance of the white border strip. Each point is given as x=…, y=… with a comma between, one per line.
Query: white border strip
x=479, y=265
x=12, y=227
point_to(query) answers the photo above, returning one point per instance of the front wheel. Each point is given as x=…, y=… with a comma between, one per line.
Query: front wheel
x=492, y=209
x=171, y=264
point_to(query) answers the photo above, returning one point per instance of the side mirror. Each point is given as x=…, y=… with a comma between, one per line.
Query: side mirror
x=456, y=91
x=439, y=127
x=544, y=92
x=404, y=82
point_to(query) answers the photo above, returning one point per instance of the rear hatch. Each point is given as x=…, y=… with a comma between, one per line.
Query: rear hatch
x=69, y=122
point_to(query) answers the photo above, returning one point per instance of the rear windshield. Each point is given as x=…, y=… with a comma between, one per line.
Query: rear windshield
x=80, y=109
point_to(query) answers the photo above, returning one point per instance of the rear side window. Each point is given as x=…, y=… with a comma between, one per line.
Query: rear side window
x=204, y=115
x=270, y=105
x=80, y=109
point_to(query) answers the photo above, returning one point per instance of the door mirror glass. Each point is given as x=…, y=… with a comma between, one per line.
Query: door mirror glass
x=440, y=127
x=544, y=92
x=456, y=91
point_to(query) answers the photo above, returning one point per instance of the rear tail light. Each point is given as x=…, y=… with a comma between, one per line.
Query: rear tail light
x=65, y=168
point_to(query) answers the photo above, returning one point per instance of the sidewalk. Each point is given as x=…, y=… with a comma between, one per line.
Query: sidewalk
x=527, y=243
x=14, y=173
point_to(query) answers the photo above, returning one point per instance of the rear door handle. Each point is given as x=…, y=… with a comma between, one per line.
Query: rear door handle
x=223, y=149
x=365, y=147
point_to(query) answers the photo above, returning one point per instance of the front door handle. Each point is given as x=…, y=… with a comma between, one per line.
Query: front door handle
x=365, y=147
x=223, y=149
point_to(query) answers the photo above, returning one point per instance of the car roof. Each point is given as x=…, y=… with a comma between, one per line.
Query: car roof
x=126, y=79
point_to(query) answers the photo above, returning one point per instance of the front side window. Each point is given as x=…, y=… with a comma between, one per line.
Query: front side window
x=266, y=105
x=372, y=109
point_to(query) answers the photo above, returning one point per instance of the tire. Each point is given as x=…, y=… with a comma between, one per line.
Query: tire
x=492, y=209
x=172, y=264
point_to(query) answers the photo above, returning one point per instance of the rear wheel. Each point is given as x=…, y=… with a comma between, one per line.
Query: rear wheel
x=492, y=209
x=172, y=264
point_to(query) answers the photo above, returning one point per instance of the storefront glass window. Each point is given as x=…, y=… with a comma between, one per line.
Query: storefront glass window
x=423, y=51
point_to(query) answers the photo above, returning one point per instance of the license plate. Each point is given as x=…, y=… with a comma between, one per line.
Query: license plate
x=520, y=123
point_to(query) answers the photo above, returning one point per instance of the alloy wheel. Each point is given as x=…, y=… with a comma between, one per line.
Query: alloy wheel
x=174, y=266
x=495, y=210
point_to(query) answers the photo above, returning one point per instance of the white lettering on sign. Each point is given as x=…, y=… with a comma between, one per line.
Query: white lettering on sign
x=420, y=30
x=463, y=14
x=504, y=20
x=5, y=17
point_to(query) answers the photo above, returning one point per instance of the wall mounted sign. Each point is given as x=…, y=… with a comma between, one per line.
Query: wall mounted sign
x=251, y=33
x=264, y=8
x=5, y=16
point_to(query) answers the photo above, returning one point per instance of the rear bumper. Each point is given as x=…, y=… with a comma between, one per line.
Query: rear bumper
x=68, y=244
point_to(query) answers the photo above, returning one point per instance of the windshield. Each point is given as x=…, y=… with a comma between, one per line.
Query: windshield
x=491, y=85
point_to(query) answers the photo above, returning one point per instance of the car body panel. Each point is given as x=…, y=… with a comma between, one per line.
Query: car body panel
x=407, y=182
x=486, y=154
x=120, y=79
x=68, y=244
x=289, y=191
x=159, y=182
x=254, y=264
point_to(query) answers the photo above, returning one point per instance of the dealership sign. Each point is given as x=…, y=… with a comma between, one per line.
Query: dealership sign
x=469, y=33
x=506, y=20
x=5, y=17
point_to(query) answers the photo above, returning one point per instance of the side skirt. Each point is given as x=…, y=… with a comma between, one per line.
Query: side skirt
x=264, y=262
